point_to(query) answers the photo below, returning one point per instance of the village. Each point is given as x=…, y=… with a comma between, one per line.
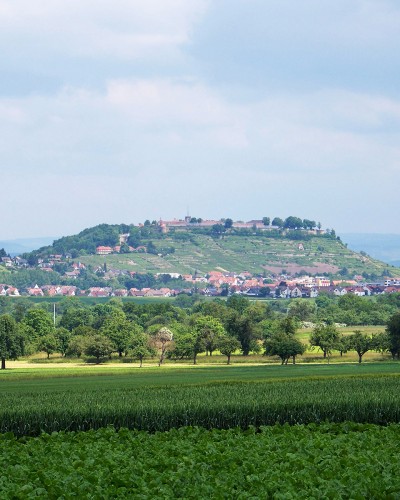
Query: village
x=212, y=284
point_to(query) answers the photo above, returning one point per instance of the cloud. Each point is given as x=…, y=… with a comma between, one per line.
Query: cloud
x=126, y=29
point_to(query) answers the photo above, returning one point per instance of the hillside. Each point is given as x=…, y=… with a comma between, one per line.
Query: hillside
x=255, y=254
x=149, y=248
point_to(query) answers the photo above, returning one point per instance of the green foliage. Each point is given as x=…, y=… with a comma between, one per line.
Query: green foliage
x=48, y=344
x=98, y=346
x=360, y=343
x=325, y=337
x=325, y=461
x=39, y=321
x=283, y=345
x=11, y=342
x=393, y=330
x=157, y=403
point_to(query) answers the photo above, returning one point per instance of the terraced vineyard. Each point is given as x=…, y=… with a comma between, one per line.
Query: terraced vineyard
x=256, y=254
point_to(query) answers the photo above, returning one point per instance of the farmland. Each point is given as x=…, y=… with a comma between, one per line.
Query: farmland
x=201, y=432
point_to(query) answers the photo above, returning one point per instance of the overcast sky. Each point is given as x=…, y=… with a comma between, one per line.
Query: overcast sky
x=139, y=109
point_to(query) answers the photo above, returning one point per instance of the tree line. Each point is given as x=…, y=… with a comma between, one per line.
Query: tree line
x=164, y=331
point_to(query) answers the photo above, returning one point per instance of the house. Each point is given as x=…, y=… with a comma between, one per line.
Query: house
x=36, y=291
x=102, y=250
x=12, y=292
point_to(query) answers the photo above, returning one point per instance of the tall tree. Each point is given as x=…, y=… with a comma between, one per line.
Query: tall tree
x=393, y=331
x=11, y=342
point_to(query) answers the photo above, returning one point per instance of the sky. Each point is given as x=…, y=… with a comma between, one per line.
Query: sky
x=144, y=109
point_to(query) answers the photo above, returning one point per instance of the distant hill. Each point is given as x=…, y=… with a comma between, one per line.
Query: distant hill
x=385, y=247
x=22, y=245
x=189, y=249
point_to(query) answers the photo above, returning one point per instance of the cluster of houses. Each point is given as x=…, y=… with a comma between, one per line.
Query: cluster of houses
x=217, y=283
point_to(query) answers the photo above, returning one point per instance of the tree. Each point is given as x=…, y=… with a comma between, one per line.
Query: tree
x=162, y=340
x=266, y=221
x=77, y=345
x=325, y=337
x=119, y=330
x=11, y=342
x=360, y=343
x=283, y=345
x=140, y=347
x=76, y=316
x=244, y=330
x=309, y=224
x=227, y=346
x=301, y=309
x=40, y=322
x=228, y=223
x=48, y=344
x=393, y=331
x=207, y=331
x=98, y=346
x=217, y=229
x=63, y=337
x=278, y=222
x=293, y=223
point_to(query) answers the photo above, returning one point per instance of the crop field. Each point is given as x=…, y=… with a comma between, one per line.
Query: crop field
x=280, y=462
x=201, y=432
x=214, y=397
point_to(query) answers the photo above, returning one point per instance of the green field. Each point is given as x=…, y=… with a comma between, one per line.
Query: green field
x=221, y=397
x=201, y=432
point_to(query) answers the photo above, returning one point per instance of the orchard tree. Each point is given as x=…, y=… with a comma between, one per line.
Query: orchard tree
x=63, y=337
x=162, y=341
x=325, y=337
x=77, y=345
x=119, y=330
x=98, y=346
x=209, y=330
x=283, y=345
x=227, y=346
x=48, y=344
x=360, y=343
x=11, y=342
x=140, y=347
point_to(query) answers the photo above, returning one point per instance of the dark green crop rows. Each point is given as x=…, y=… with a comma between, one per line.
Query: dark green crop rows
x=280, y=462
x=222, y=405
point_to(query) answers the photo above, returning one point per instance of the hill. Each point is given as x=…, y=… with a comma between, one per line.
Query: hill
x=149, y=249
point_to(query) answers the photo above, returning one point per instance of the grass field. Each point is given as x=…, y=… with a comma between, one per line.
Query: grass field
x=221, y=397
